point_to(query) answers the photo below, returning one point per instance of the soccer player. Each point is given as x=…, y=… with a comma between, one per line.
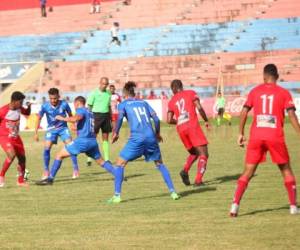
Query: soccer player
x=143, y=140
x=55, y=129
x=220, y=101
x=99, y=103
x=269, y=103
x=115, y=100
x=84, y=143
x=183, y=105
x=10, y=139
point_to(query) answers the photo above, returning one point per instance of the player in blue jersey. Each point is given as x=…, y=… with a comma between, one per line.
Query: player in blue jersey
x=55, y=129
x=84, y=143
x=143, y=140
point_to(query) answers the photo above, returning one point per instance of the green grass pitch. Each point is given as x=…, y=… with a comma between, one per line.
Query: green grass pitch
x=73, y=214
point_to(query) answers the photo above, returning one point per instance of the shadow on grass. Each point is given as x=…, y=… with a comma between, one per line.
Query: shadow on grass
x=222, y=179
x=182, y=194
x=197, y=190
x=265, y=211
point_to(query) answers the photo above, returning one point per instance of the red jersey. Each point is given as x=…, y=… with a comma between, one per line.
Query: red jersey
x=10, y=121
x=269, y=102
x=115, y=100
x=184, y=109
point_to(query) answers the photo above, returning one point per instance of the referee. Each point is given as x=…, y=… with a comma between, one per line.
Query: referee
x=99, y=103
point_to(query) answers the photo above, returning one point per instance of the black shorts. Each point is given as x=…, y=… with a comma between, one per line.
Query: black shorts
x=221, y=111
x=103, y=122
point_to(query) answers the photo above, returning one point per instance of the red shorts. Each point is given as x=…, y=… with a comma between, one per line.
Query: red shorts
x=15, y=144
x=257, y=150
x=114, y=117
x=193, y=137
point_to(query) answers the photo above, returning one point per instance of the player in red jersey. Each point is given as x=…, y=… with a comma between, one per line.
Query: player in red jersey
x=269, y=103
x=183, y=105
x=10, y=140
x=115, y=100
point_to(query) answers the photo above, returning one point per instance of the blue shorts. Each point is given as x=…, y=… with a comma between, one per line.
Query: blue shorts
x=137, y=147
x=89, y=146
x=53, y=134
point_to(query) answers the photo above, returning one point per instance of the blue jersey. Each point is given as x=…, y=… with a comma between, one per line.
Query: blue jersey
x=138, y=114
x=51, y=112
x=85, y=126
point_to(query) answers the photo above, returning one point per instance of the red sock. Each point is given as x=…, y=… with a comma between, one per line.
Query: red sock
x=21, y=170
x=290, y=185
x=201, y=168
x=189, y=162
x=5, y=166
x=242, y=184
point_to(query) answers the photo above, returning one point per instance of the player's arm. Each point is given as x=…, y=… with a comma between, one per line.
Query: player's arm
x=294, y=119
x=90, y=101
x=243, y=120
x=170, y=118
x=26, y=111
x=201, y=112
x=38, y=123
x=72, y=119
x=156, y=122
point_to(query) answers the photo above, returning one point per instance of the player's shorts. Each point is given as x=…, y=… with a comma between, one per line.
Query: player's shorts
x=221, y=111
x=89, y=146
x=114, y=117
x=11, y=143
x=257, y=150
x=193, y=137
x=103, y=122
x=137, y=147
x=53, y=134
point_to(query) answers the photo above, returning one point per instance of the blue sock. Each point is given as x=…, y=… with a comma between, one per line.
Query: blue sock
x=46, y=158
x=119, y=176
x=55, y=167
x=166, y=175
x=108, y=167
x=75, y=162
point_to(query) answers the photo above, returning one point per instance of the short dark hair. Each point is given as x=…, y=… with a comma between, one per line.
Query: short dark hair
x=176, y=84
x=53, y=91
x=129, y=88
x=271, y=69
x=17, y=96
x=80, y=99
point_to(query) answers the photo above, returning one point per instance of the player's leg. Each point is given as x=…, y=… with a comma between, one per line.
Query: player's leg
x=47, y=156
x=106, y=129
x=167, y=178
x=202, y=151
x=10, y=156
x=74, y=161
x=193, y=156
x=21, y=170
x=290, y=185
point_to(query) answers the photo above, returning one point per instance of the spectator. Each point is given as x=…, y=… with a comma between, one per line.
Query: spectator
x=127, y=2
x=115, y=34
x=95, y=7
x=43, y=7
x=163, y=96
x=151, y=96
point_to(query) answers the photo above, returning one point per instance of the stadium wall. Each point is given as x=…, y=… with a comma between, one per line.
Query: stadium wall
x=28, y=4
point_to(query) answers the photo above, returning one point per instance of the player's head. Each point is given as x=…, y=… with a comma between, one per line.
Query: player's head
x=219, y=94
x=103, y=83
x=53, y=96
x=176, y=86
x=16, y=99
x=112, y=88
x=79, y=101
x=270, y=73
x=129, y=89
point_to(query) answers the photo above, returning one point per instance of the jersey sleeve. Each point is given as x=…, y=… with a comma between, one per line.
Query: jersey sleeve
x=80, y=112
x=42, y=111
x=170, y=106
x=249, y=102
x=91, y=99
x=194, y=95
x=288, y=102
x=68, y=109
